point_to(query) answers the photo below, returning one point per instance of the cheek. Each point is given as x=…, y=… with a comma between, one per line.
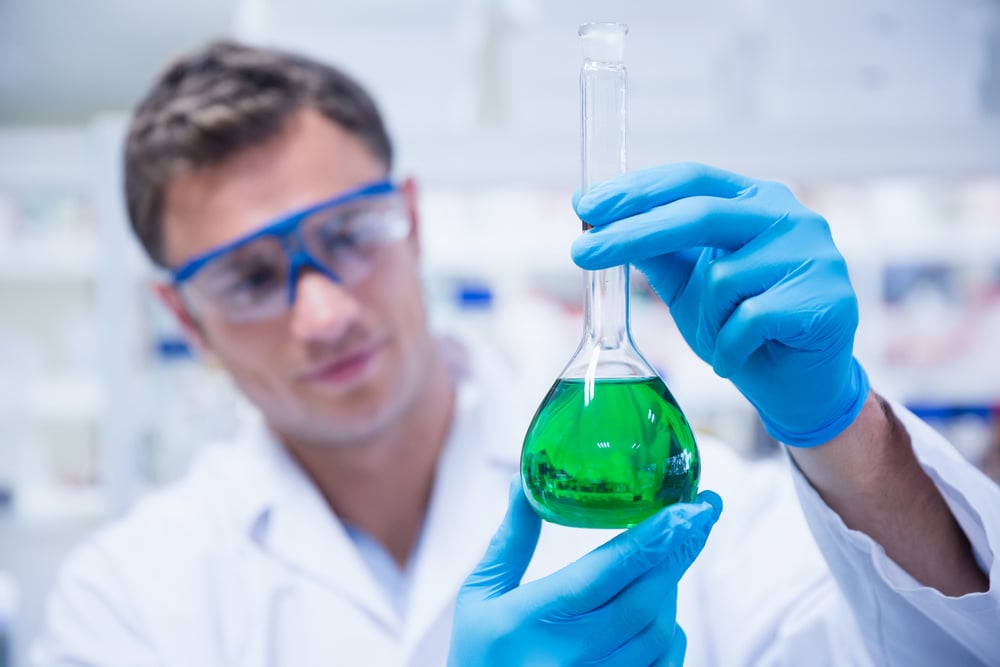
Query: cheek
x=403, y=291
x=247, y=351
x=401, y=296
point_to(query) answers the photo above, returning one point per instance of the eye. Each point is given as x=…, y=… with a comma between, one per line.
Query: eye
x=350, y=233
x=343, y=237
x=255, y=279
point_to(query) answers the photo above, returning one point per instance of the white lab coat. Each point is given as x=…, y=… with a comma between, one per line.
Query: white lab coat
x=242, y=563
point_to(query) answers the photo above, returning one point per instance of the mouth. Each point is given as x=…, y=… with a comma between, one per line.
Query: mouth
x=347, y=368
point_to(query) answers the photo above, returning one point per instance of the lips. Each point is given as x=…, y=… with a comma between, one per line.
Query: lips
x=345, y=368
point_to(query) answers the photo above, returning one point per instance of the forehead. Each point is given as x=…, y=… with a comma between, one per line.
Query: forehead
x=311, y=160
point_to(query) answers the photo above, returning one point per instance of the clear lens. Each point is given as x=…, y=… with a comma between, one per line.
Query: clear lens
x=247, y=283
x=346, y=239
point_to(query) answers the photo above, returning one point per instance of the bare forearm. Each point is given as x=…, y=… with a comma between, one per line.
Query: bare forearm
x=870, y=476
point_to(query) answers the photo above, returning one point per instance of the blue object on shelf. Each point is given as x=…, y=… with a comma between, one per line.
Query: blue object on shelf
x=474, y=296
x=173, y=349
x=932, y=412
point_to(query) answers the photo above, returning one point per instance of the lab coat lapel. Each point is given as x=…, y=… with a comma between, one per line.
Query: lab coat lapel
x=467, y=509
x=300, y=529
x=467, y=505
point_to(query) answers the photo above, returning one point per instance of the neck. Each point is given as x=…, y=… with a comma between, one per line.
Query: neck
x=383, y=486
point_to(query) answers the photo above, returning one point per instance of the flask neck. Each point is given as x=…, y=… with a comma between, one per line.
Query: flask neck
x=606, y=308
x=603, y=121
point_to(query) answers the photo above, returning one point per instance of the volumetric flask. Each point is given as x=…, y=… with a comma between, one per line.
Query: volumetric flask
x=608, y=446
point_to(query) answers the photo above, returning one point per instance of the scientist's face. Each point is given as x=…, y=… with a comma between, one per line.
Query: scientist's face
x=345, y=360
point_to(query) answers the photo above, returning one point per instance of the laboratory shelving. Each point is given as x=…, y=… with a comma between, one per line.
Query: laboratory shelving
x=66, y=329
x=47, y=267
x=100, y=398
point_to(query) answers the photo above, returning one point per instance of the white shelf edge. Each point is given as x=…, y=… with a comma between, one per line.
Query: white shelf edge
x=40, y=501
x=63, y=260
x=64, y=397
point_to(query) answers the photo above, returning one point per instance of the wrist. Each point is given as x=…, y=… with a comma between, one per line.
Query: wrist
x=859, y=461
x=847, y=406
x=871, y=477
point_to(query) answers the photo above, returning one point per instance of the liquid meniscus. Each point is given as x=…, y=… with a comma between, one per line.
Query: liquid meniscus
x=609, y=453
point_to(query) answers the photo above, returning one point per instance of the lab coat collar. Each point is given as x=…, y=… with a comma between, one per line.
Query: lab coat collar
x=285, y=515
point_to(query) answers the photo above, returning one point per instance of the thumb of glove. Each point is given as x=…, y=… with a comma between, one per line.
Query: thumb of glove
x=510, y=550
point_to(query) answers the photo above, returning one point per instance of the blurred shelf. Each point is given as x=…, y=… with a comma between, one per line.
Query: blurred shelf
x=789, y=153
x=8, y=602
x=47, y=502
x=54, y=157
x=48, y=261
x=67, y=397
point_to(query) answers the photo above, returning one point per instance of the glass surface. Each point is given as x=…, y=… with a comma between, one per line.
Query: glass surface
x=608, y=446
x=608, y=454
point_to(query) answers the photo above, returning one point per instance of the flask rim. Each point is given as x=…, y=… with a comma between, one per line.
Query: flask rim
x=603, y=42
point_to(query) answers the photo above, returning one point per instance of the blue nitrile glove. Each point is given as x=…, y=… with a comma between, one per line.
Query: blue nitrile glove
x=753, y=281
x=616, y=606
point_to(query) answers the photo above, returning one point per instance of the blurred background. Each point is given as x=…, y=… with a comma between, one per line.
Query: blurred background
x=883, y=115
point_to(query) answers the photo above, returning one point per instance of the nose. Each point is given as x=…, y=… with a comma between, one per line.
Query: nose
x=323, y=310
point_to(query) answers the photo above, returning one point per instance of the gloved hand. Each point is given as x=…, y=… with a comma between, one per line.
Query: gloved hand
x=753, y=281
x=616, y=606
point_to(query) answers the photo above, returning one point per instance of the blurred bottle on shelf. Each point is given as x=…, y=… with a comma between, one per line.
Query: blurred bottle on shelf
x=974, y=430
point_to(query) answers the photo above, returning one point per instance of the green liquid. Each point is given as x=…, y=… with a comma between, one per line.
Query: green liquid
x=610, y=461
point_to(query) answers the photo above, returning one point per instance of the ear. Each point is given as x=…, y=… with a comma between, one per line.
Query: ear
x=170, y=298
x=409, y=190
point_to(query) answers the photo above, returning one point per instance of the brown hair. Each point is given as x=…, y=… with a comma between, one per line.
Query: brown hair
x=220, y=100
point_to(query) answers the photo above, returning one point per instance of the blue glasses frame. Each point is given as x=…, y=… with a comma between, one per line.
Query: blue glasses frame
x=285, y=229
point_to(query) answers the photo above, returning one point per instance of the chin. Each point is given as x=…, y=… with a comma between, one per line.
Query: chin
x=350, y=424
x=346, y=434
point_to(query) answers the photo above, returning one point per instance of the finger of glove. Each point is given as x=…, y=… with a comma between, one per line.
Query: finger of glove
x=675, y=654
x=600, y=575
x=692, y=222
x=650, y=644
x=650, y=597
x=713, y=499
x=728, y=279
x=669, y=274
x=510, y=550
x=795, y=249
x=692, y=541
x=643, y=190
x=677, y=279
x=795, y=313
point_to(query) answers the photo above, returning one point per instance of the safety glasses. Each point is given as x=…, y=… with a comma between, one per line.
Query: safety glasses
x=254, y=277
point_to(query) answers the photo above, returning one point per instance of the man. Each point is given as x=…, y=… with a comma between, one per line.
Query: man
x=341, y=529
